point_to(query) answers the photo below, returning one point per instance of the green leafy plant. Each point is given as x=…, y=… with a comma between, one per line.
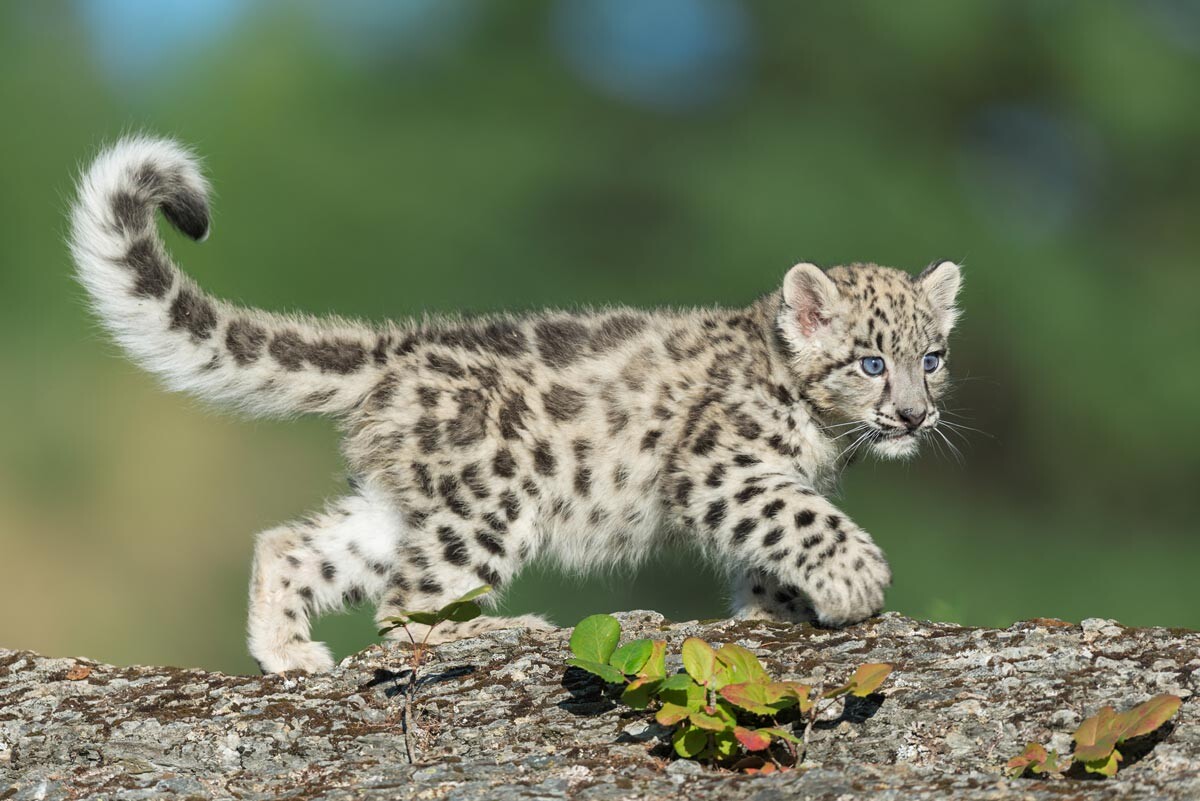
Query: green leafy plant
x=724, y=705
x=1097, y=738
x=459, y=610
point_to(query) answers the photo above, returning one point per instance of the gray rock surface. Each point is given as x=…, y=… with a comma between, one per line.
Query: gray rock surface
x=499, y=718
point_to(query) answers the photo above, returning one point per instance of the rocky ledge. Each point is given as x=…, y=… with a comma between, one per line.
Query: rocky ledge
x=499, y=718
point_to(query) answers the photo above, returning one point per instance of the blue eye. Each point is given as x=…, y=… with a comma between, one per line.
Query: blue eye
x=931, y=362
x=872, y=365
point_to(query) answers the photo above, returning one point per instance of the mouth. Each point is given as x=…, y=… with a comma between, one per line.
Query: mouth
x=897, y=434
x=896, y=443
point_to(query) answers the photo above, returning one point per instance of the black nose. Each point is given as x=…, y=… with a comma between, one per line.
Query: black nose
x=912, y=417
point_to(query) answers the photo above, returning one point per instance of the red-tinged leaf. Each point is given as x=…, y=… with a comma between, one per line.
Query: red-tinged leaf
x=631, y=656
x=1033, y=757
x=689, y=742
x=752, y=739
x=707, y=722
x=1146, y=717
x=656, y=664
x=741, y=665
x=867, y=678
x=699, y=659
x=1106, y=766
x=670, y=714
x=1096, y=737
x=757, y=698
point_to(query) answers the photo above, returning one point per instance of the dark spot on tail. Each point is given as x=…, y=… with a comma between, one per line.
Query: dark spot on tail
x=288, y=349
x=153, y=275
x=187, y=210
x=245, y=341
x=329, y=356
x=131, y=214
x=193, y=312
x=337, y=356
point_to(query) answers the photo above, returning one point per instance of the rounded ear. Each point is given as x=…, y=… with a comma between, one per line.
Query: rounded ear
x=940, y=282
x=811, y=296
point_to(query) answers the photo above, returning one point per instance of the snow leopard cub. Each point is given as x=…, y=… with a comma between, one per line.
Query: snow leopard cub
x=591, y=438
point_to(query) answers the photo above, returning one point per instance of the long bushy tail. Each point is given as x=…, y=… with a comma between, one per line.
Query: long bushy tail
x=261, y=362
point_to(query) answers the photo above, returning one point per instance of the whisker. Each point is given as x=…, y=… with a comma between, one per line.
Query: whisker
x=832, y=426
x=959, y=426
x=853, y=446
x=851, y=431
x=957, y=453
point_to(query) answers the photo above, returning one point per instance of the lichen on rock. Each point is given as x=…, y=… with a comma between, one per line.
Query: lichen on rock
x=499, y=717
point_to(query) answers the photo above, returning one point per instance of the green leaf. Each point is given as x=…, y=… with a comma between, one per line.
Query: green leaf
x=1146, y=717
x=421, y=618
x=1035, y=758
x=689, y=741
x=606, y=672
x=725, y=744
x=459, y=611
x=639, y=691
x=475, y=593
x=741, y=665
x=867, y=678
x=1097, y=736
x=1106, y=766
x=669, y=714
x=704, y=721
x=752, y=739
x=691, y=695
x=680, y=681
x=699, y=659
x=782, y=734
x=630, y=657
x=793, y=689
x=595, y=638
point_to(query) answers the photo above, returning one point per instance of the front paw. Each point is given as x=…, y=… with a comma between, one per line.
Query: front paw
x=849, y=584
x=310, y=657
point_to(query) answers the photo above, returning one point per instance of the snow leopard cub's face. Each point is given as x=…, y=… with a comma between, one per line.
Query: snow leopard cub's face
x=870, y=346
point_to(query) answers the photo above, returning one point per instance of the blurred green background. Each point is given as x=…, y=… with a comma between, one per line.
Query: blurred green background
x=384, y=158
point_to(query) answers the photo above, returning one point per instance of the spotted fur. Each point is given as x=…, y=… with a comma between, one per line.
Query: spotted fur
x=590, y=438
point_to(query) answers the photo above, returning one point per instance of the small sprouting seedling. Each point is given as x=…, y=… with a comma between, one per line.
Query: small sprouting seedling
x=1034, y=758
x=459, y=610
x=723, y=705
x=1097, y=738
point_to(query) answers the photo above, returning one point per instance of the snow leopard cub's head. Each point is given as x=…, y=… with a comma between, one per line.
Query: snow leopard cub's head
x=870, y=347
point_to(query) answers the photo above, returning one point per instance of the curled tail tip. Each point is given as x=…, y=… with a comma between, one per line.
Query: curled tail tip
x=133, y=176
